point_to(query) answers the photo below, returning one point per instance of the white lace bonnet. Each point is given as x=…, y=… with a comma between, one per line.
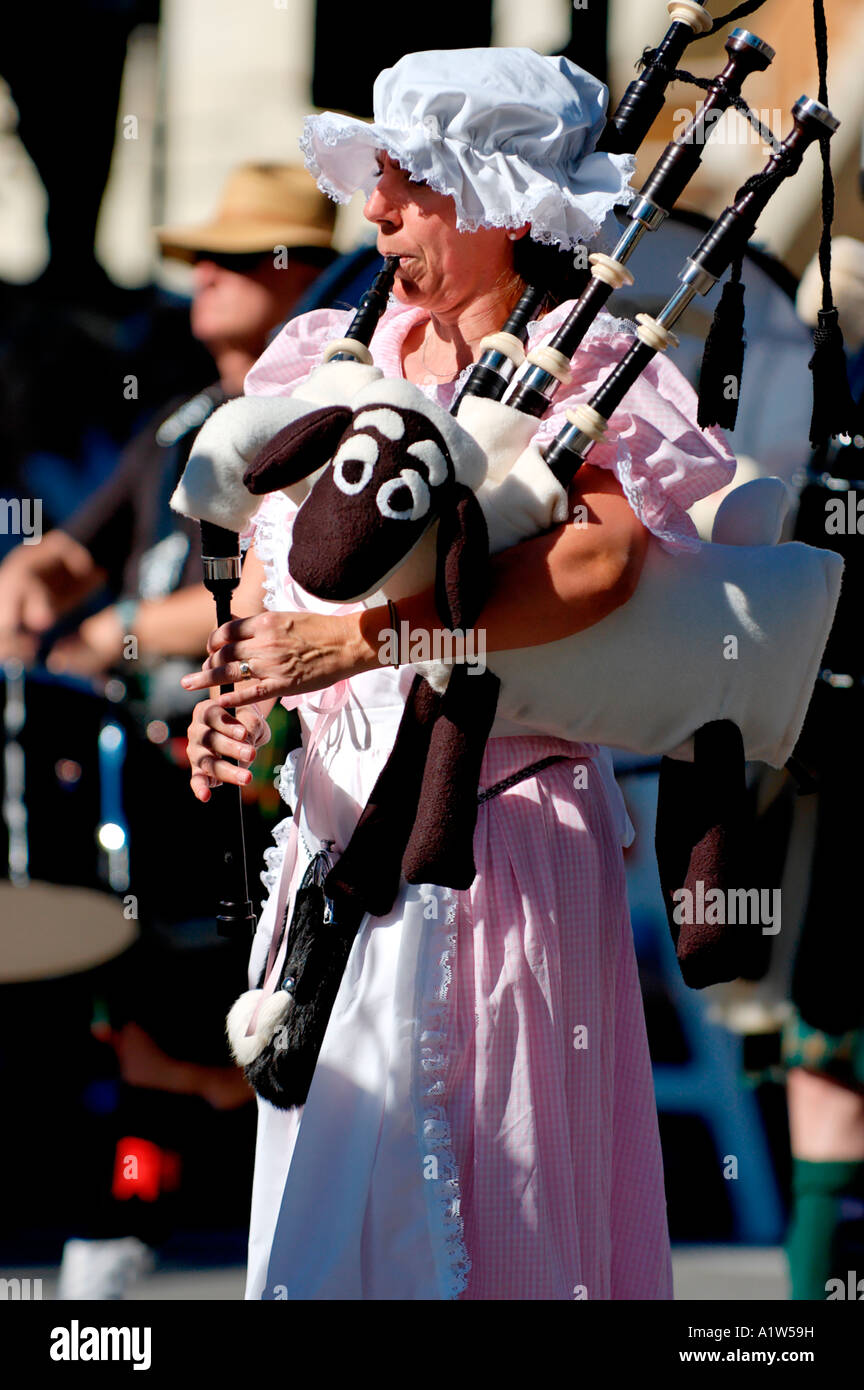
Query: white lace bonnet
x=507, y=133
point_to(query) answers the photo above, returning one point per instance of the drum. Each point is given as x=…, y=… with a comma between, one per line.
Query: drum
x=64, y=841
x=100, y=834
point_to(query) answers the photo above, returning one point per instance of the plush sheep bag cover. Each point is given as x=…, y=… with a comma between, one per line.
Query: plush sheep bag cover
x=397, y=495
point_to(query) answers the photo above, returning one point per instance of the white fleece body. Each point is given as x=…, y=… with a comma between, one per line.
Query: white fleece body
x=728, y=632
x=732, y=631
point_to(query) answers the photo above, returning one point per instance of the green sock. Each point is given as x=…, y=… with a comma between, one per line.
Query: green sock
x=817, y=1189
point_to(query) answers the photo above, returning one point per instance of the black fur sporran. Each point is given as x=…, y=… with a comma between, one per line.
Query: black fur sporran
x=319, y=943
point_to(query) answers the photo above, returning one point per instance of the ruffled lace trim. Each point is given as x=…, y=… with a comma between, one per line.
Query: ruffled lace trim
x=671, y=536
x=274, y=855
x=556, y=217
x=607, y=327
x=269, y=524
x=431, y=1083
x=267, y=532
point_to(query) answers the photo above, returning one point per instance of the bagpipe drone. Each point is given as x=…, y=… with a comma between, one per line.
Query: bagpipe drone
x=396, y=494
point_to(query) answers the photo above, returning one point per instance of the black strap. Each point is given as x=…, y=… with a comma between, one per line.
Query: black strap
x=704, y=83
x=731, y=15
x=821, y=32
x=521, y=776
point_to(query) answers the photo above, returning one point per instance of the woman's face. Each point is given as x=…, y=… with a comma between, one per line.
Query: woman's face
x=441, y=269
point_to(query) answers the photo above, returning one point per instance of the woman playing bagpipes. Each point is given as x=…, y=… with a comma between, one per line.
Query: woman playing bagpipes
x=481, y=1121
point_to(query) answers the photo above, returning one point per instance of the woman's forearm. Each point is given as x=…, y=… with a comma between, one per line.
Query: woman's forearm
x=529, y=604
x=541, y=590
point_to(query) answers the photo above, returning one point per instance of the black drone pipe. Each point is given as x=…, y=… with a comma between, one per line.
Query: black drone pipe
x=643, y=100
x=533, y=391
x=623, y=134
x=725, y=241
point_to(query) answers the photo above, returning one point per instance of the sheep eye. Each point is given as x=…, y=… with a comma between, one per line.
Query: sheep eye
x=405, y=498
x=354, y=463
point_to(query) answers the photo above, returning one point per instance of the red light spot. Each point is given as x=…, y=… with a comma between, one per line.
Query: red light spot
x=143, y=1170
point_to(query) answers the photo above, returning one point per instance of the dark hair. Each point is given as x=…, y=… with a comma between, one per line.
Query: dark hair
x=550, y=268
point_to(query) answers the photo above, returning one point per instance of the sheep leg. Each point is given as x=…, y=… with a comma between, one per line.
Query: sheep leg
x=702, y=837
x=368, y=872
x=441, y=849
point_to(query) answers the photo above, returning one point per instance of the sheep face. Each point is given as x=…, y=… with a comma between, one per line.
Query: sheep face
x=386, y=484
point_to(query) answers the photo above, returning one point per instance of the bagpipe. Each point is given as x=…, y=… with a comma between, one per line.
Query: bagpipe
x=396, y=494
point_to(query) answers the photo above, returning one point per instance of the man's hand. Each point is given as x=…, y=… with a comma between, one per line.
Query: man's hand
x=38, y=584
x=92, y=650
x=26, y=611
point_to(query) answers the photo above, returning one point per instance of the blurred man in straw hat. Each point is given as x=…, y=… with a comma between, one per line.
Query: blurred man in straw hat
x=263, y=206
x=252, y=263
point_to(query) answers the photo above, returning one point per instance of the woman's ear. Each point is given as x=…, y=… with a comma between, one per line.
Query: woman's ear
x=297, y=450
x=462, y=570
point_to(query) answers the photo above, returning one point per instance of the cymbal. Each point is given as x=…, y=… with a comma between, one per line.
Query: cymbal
x=50, y=930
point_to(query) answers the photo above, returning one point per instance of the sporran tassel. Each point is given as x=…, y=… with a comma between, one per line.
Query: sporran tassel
x=320, y=936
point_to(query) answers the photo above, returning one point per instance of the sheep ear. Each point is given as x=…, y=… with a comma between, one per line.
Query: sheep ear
x=297, y=450
x=462, y=571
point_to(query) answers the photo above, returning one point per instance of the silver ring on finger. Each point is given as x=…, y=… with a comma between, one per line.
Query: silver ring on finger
x=245, y=669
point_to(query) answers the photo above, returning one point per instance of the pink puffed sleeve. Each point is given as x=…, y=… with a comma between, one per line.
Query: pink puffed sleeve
x=295, y=352
x=661, y=457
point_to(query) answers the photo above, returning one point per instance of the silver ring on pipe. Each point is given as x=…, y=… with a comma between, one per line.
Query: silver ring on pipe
x=245, y=668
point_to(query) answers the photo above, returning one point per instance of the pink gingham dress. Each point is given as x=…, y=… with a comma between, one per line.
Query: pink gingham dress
x=481, y=1124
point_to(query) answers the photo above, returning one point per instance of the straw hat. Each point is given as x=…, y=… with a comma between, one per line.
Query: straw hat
x=263, y=205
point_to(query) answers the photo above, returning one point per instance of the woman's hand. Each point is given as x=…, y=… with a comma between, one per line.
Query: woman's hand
x=288, y=654
x=214, y=736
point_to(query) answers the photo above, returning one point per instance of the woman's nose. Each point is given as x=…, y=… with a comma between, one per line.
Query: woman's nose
x=379, y=208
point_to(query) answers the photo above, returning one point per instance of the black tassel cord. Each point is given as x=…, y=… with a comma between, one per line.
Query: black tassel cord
x=833, y=407
x=723, y=359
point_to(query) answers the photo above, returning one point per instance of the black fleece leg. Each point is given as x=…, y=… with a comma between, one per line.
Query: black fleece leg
x=368, y=872
x=441, y=846
x=703, y=815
